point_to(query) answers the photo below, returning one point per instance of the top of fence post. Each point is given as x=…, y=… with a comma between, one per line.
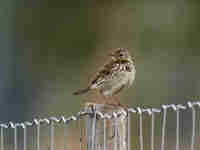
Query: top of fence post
x=105, y=128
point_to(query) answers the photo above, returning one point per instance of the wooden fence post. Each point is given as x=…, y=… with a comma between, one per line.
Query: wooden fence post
x=105, y=134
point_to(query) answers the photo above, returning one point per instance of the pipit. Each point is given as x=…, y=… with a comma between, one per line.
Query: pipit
x=118, y=74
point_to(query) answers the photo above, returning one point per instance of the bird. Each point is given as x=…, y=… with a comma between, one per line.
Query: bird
x=119, y=73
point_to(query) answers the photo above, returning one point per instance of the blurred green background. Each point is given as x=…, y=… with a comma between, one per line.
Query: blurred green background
x=51, y=48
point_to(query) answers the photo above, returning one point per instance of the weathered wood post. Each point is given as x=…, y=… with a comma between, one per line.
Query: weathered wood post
x=107, y=133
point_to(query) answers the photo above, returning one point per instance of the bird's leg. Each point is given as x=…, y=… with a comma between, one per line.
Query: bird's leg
x=103, y=98
x=111, y=101
x=119, y=104
x=117, y=100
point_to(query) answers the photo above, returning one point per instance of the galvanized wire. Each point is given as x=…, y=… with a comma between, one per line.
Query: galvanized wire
x=94, y=132
x=115, y=134
x=177, y=129
x=163, y=127
x=65, y=136
x=66, y=120
x=152, y=130
x=52, y=136
x=38, y=136
x=140, y=129
x=107, y=116
x=81, y=134
x=129, y=132
x=15, y=139
x=104, y=135
x=25, y=138
x=2, y=138
x=191, y=105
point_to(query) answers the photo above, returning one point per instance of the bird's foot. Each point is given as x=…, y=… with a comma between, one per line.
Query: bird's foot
x=118, y=105
x=125, y=107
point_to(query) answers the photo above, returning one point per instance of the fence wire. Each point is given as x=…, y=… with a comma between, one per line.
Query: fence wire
x=151, y=112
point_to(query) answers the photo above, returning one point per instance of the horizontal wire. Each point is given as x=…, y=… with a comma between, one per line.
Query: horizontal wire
x=66, y=120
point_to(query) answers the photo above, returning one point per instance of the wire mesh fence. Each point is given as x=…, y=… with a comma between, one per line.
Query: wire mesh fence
x=171, y=127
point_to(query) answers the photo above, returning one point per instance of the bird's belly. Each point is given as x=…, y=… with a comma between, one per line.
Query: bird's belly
x=111, y=87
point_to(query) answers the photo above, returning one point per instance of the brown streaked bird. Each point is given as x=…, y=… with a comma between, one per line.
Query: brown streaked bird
x=117, y=74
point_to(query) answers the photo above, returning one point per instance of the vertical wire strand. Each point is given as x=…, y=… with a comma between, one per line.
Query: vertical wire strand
x=182, y=132
x=93, y=129
x=193, y=128
x=25, y=138
x=129, y=131
x=141, y=132
x=65, y=136
x=15, y=138
x=104, y=134
x=94, y=132
x=52, y=135
x=81, y=136
x=86, y=131
x=38, y=137
x=33, y=139
x=8, y=139
x=2, y=139
x=152, y=130
x=177, y=128
x=163, y=128
x=115, y=134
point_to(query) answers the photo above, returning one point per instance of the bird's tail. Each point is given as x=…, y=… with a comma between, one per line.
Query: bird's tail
x=82, y=91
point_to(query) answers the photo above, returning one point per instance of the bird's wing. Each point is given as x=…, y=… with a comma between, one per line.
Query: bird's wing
x=106, y=73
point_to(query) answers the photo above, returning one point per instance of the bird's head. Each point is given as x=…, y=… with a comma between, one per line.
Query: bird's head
x=121, y=54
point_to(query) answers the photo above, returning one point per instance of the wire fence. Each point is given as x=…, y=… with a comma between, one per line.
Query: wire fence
x=146, y=129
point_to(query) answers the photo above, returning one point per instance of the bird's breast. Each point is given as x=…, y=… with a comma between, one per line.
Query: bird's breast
x=121, y=80
x=131, y=76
